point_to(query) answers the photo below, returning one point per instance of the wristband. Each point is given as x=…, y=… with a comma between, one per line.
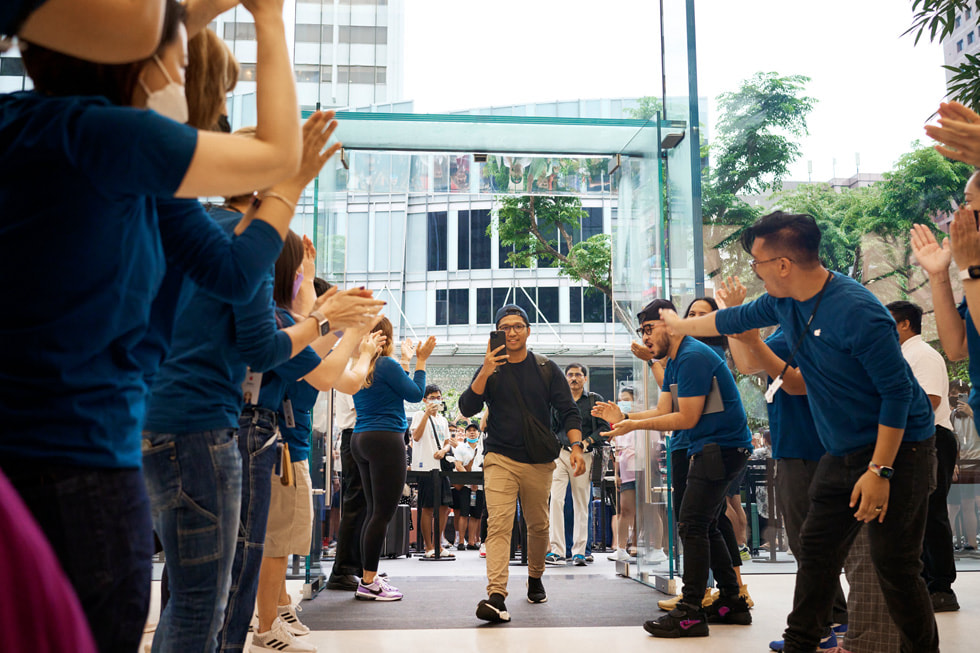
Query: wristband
x=579, y=444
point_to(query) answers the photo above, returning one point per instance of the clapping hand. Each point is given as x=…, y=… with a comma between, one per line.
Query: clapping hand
x=731, y=293
x=927, y=251
x=959, y=133
x=608, y=411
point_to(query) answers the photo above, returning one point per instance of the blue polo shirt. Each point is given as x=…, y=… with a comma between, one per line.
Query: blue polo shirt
x=302, y=396
x=973, y=349
x=381, y=406
x=679, y=439
x=851, y=360
x=13, y=13
x=275, y=381
x=692, y=370
x=791, y=427
x=83, y=260
x=199, y=386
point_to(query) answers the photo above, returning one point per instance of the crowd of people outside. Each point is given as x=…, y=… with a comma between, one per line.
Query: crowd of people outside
x=170, y=398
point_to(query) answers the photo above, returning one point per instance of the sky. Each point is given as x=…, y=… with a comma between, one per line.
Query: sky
x=875, y=90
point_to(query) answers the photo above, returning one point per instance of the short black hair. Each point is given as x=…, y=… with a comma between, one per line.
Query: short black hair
x=903, y=310
x=321, y=286
x=431, y=388
x=628, y=389
x=652, y=310
x=796, y=235
x=584, y=369
x=710, y=301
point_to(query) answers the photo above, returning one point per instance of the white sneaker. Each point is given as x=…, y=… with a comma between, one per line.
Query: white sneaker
x=288, y=614
x=483, y=550
x=279, y=640
x=619, y=556
x=657, y=555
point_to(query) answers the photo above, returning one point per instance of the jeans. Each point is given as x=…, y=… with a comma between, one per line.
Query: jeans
x=711, y=472
x=257, y=446
x=939, y=568
x=195, y=486
x=347, y=561
x=896, y=546
x=98, y=524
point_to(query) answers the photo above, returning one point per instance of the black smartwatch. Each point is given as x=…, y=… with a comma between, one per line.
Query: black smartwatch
x=882, y=471
x=322, y=321
x=972, y=272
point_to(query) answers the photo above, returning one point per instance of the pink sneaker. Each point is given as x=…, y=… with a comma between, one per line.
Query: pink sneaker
x=379, y=590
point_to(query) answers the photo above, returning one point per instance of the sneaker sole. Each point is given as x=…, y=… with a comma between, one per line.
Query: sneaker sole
x=544, y=600
x=739, y=619
x=361, y=597
x=488, y=613
x=675, y=634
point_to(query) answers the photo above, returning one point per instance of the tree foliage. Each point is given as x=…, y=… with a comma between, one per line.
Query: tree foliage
x=937, y=18
x=648, y=107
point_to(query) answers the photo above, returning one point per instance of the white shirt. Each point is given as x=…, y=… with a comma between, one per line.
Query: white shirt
x=929, y=369
x=424, y=449
x=345, y=414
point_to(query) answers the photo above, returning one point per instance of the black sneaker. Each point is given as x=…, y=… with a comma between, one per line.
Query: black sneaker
x=944, y=602
x=493, y=610
x=682, y=621
x=346, y=583
x=729, y=610
x=535, y=591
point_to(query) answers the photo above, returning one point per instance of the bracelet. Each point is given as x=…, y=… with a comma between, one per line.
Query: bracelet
x=277, y=196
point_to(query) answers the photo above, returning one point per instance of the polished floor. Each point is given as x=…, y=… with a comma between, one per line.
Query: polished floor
x=959, y=631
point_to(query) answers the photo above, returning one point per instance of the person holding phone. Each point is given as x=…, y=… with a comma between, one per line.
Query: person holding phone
x=719, y=444
x=518, y=386
x=430, y=437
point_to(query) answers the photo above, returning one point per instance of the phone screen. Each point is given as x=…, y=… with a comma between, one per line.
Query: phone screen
x=497, y=339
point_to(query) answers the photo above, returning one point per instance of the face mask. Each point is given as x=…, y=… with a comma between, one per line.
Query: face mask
x=472, y=440
x=625, y=406
x=297, y=283
x=168, y=101
x=223, y=124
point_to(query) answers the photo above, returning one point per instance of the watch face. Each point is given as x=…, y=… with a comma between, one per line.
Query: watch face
x=974, y=271
x=886, y=472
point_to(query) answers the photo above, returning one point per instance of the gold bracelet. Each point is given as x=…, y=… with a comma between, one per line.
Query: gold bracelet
x=277, y=196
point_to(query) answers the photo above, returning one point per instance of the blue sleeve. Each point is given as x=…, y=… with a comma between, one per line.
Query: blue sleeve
x=391, y=373
x=130, y=151
x=758, y=313
x=299, y=365
x=962, y=309
x=694, y=380
x=258, y=339
x=229, y=268
x=876, y=348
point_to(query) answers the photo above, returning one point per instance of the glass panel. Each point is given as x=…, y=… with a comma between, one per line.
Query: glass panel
x=437, y=241
x=575, y=305
x=382, y=242
x=357, y=242
x=479, y=239
x=416, y=242
x=463, y=240
x=484, y=306
x=442, y=309
x=459, y=306
x=548, y=304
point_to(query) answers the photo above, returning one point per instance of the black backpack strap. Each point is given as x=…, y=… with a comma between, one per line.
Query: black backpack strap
x=545, y=368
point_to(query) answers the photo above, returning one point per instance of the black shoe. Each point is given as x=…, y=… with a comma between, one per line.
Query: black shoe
x=944, y=602
x=729, y=610
x=535, y=591
x=682, y=621
x=493, y=610
x=472, y=547
x=343, y=582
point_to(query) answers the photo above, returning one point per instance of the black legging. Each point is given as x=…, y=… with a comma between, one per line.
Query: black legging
x=380, y=457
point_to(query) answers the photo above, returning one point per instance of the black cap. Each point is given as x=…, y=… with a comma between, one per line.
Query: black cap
x=652, y=310
x=473, y=425
x=510, y=309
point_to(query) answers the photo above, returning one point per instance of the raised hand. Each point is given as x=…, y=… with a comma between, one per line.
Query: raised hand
x=608, y=411
x=425, y=349
x=933, y=258
x=641, y=351
x=317, y=130
x=621, y=428
x=372, y=343
x=494, y=359
x=349, y=308
x=408, y=349
x=965, y=238
x=309, y=258
x=731, y=293
x=958, y=131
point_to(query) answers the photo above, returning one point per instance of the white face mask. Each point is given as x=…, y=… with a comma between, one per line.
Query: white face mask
x=625, y=406
x=168, y=101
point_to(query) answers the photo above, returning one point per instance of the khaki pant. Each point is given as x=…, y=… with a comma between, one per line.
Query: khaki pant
x=504, y=481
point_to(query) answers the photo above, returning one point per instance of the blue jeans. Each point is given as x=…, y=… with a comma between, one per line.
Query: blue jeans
x=896, y=546
x=257, y=444
x=710, y=473
x=195, y=486
x=98, y=524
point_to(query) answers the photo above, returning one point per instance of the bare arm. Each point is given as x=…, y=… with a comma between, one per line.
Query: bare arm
x=225, y=164
x=693, y=326
x=688, y=415
x=103, y=31
x=935, y=260
x=202, y=12
x=352, y=379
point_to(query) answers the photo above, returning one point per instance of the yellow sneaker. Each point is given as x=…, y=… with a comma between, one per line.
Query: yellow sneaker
x=709, y=597
x=743, y=591
x=669, y=604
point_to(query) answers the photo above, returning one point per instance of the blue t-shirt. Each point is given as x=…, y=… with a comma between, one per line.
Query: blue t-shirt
x=381, y=406
x=679, y=439
x=973, y=349
x=302, y=396
x=791, y=426
x=80, y=179
x=13, y=13
x=199, y=386
x=851, y=360
x=274, y=382
x=692, y=370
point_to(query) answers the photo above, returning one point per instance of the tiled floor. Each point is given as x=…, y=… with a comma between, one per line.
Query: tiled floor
x=959, y=631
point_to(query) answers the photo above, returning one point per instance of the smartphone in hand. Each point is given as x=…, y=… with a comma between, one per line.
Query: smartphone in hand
x=497, y=339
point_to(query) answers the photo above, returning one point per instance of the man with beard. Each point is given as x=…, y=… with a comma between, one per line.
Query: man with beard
x=699, y=398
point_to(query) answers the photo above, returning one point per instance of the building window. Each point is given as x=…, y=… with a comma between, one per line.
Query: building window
x=246, y=72
x=473, y=243
x=245, y=31
x=589, y=307
x=548, y=304
x=592, y=223
x=453, y=306
x=485, y=307
x=958, y=21
x=969, y=38
x=436, y=250
x=309, y=33
x=504, y=251
x=11, y=67
x=363, y=35
x=308, y=73
x=969, y=13
x=526, y=298
x=959, y=45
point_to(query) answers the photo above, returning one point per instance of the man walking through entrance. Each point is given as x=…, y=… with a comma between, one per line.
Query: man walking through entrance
x=519, y=388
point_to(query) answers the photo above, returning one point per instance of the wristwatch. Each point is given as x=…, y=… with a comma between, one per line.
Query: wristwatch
x=323, y=322
x=883, y=471
x=972, y=272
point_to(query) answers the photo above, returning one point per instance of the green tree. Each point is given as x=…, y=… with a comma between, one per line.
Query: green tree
x=648, y=107
x=546, y=228
x=939, y=18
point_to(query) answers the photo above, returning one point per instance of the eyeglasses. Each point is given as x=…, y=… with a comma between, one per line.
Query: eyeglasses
x=646, y=330
x=756, y=264
x=513, y=328
x=574, y=375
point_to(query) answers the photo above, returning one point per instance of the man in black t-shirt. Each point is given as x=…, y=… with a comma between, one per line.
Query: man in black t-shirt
x=524, y=381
